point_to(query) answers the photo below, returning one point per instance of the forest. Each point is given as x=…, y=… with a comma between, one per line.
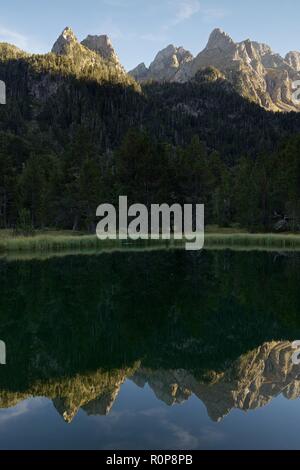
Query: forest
x=70, y=141
x=40, y=189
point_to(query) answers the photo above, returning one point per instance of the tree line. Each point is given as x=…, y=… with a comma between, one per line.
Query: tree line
x=41, y=188
x=72, y=137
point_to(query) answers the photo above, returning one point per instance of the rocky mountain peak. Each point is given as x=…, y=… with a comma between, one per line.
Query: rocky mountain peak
x=166, y=52
x=219, y=40
x=171, y=56
x=262, y=49
x=293, y=59
x=252, y=68
x=256, y=72
x=165, y=65
x=90, y=52
x=66, y=39
x=140, y=72
x=102, y=45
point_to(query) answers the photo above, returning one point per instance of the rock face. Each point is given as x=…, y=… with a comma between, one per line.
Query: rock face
x=66, y=40
x=250, y=383
x=94, y=393
x=101, y=405
x=140, y=73
x=293, y=59
x=165, y=65
x=102, y=45
x=256, y=72
x=92, y=50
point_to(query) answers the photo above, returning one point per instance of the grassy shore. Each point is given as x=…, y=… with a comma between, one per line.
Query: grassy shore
x=69, y=242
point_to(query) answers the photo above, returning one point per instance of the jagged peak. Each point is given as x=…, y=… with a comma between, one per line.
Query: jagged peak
x=170, y=56
x=219, y=39
x=68, y=34
x=140, y=72
x=292, y=53
x=293, y=59
x=98, y=37
x=164, y=66
x=172, y=50
x=140, y=68
x=166, y=52
x=262, y=48
x=102, y=45
x=66, y=38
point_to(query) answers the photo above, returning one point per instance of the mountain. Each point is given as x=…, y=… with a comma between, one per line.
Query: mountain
x=293, y=59
x=102, y=45
x=249, y=383
x=93, y=51
x=83, y=84
x=165, y=65
x=11, y=52
x=94, y=393
x=100, y=336
x=76, y=107
x=255, y=71
x=65, y=42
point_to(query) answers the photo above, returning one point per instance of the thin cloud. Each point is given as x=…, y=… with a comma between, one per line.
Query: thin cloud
x=186, y=9
x=212, y=14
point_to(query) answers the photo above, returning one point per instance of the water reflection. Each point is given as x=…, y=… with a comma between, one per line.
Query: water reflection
x=216, y=326
x=251, y=382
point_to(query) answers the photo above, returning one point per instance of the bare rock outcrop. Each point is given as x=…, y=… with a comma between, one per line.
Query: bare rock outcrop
x=65, y=41
x=293, y=59
x=252, y=382
x=102, y=45
x=93, y=51
x=165, y=65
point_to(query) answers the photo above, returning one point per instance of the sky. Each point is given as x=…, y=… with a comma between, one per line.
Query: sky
x=140, y=28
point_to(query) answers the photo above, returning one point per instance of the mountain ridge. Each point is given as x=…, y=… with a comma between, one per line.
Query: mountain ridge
x=252, y=68
x=250, y=382
x=256, y=72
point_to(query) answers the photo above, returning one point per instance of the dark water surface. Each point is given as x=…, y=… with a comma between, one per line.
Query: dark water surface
x=150, y=350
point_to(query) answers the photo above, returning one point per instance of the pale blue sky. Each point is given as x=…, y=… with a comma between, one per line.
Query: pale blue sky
x=139, y=28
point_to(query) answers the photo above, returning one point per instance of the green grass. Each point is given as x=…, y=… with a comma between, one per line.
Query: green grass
x=63, y=242
x=260, y=240
x=51, y=243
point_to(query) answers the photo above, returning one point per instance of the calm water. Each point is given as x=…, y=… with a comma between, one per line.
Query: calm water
x=150, y=350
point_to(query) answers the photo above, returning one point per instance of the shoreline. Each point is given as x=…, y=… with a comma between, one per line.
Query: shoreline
x=67, y=243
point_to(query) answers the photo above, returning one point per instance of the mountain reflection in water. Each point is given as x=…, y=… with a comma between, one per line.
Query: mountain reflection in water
x=250, y=382
x=215, y=325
